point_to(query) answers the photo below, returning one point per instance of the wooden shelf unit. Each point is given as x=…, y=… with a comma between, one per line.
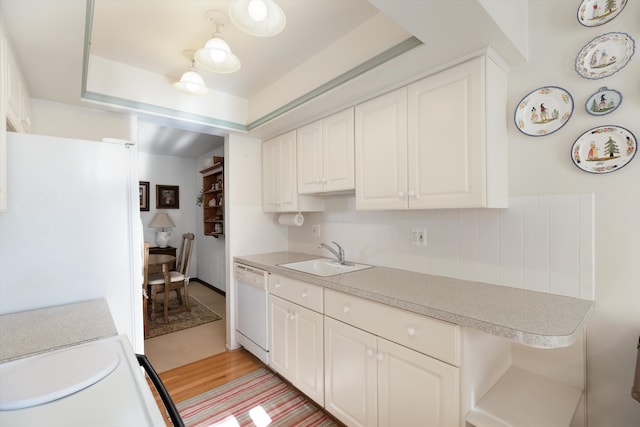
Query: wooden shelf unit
x=213, y=198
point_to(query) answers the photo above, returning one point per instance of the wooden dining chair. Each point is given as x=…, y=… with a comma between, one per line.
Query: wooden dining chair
x=179, y=280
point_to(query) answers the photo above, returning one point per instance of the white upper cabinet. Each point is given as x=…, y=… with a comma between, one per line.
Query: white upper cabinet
x=437, y=143
x=326, y=155
x=381, y=152
x=279, y=193
x=279, y=177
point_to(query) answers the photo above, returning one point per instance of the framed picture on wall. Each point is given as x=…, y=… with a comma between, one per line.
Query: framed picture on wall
x=167, y=197
x=144, y=195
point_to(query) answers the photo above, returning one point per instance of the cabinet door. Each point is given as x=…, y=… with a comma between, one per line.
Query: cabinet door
x=309, y=146
x=446, y=144
x=350, y=374
x=279, y=184
x=413, y=388
x=338, y=152
x=270, y=175
x=381, y=152
x=280, y=337
x=288, y=173
x=309, y=353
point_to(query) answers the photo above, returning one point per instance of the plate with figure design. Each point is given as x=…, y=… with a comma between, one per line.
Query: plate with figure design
x=592, y=13
x=604, y=149
x=605, y=55
x=543, y=111
x=604, y=101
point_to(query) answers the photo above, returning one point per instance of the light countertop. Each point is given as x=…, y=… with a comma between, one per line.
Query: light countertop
x=36, y=331
x=533, y=318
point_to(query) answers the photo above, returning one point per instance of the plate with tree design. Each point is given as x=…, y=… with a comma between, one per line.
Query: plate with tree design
x=543, y=111
x=592, y=13
x=604, y=149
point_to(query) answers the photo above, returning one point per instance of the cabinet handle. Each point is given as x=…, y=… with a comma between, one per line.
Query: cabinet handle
x=346, y=309
x=305, y=294
x=411, y=332
x=380, y=357
x=324, y=180
x=412, y=194
x=369, y=352
x=318, y=180
x=278, y=285
x=291, y=316
x=401, y=194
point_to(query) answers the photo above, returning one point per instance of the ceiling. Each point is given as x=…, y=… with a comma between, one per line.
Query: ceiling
x=152, y=35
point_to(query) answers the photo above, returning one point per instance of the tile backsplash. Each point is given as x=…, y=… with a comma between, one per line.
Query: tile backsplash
x=540, y=243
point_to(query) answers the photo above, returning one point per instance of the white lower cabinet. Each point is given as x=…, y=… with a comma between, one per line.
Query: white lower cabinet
x=351, y=393
x=370, y=381
x=296, y=343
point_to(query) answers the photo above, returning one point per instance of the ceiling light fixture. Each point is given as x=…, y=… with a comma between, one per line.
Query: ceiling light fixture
x=216, y=55
x=191, y=81
x=261, y=18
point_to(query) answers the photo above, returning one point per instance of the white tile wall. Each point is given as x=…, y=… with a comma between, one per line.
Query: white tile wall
x=540, y=243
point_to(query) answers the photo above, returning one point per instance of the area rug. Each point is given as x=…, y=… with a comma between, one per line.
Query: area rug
x=199, y=315
x=256, y=399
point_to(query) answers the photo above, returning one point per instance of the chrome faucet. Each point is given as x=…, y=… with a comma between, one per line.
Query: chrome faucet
x=339, y=254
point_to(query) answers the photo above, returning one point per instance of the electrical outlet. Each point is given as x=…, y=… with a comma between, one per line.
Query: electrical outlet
x=315, y=230
x=419, y=236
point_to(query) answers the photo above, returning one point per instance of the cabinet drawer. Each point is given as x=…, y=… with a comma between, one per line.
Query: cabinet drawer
x=302, y=293
x=435, y=338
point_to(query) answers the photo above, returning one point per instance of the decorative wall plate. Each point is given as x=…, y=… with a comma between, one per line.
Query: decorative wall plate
x=605, y=55
x=543, y=111
x=604, y=101
x=604, y=149
x=592, y=13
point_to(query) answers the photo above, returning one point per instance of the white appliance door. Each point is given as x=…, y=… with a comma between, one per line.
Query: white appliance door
x=252, y=314
x=68, y=234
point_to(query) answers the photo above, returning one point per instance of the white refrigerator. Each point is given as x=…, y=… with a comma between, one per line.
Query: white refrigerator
x=72, y=229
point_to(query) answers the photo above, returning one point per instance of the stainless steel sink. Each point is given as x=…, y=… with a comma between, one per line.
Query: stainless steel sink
x=324, y=267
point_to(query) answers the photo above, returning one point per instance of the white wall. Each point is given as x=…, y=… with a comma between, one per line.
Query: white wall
x=171, y=170
x=211, y=251
x=539, y=166
x=543, y=165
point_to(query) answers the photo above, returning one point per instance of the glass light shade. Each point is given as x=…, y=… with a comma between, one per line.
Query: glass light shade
x=216, y=56
x=261, y=18
x=192, y=83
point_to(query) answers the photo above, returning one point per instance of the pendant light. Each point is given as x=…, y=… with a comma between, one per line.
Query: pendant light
x=191, y=81
x=216, y=55
x=261, y=18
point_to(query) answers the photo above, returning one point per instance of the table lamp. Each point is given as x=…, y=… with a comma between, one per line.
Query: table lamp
x=162, y=220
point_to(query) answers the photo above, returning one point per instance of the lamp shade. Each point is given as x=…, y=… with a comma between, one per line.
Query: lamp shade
x=162, y=220
x=261, y=18
x=216, y=56
x=192, y=83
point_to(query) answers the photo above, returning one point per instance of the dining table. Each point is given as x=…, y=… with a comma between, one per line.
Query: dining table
x=160, y=263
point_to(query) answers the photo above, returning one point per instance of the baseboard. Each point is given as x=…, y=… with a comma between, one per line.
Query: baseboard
x=210, y=286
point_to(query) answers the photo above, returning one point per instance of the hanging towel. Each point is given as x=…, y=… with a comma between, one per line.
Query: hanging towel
x=635, y=390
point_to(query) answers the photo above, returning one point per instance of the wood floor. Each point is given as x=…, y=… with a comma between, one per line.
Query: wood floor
x=195, y=378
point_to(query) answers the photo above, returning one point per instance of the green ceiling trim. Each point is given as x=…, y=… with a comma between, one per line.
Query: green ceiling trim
x=155, y=109
x=379, y=59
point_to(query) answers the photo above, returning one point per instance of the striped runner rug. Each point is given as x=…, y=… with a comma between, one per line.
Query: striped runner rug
x=257, y=399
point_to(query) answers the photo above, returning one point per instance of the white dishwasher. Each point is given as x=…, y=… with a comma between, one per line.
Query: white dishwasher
x=252, y=316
